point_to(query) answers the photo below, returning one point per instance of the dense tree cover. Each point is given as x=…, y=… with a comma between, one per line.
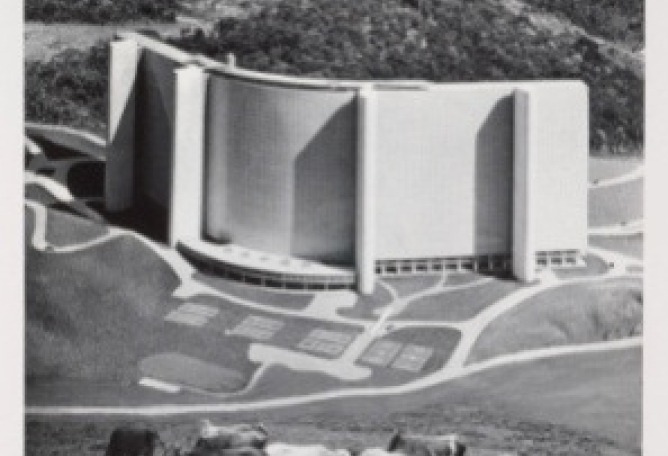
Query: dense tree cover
x=70, y=89
x=440, y=40
x=100, y=11
x=619, y=20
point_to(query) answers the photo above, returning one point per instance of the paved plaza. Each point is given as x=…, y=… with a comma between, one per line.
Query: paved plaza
x=192, y=314
x=330, y=343
x=257, y=328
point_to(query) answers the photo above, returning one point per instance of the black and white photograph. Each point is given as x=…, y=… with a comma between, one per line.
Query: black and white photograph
x=333, y=227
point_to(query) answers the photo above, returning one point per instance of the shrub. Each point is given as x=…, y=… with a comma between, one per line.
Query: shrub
x=100, y=11
x=439, y=41
x=619, y=20
x=70, y=89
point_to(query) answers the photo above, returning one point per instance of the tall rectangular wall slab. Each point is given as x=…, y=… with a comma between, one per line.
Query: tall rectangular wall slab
x=560, y=148
x=550, y=172
x=365, y=238
x=444, y=171
x=523, y=249
x=119, y=178
x=186, y=201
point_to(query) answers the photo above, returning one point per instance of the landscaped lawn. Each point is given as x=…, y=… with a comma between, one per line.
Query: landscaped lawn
x=594, y=266
x=570, y=314
x=292, y=332
x=601, y=168
x=408, y=285
x=629, y=245
x=442, y=340
x=458, y=305
x=29, y=225
x=366, y=304
x=254, y=293
x=63, y=228
x=615, y=204
x=279, y=381
x=527, y=408
x=93, y=315
x=34, y=192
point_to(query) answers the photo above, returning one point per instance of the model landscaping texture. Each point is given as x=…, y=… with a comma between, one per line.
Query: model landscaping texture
x=162, y=314
x=119, y=323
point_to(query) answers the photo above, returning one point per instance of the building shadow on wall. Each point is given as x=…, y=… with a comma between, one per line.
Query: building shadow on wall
x=153, y=145
x=324, y=192
x=493, y=181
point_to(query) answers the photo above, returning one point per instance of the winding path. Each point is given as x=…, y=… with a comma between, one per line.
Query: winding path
x=324, y=307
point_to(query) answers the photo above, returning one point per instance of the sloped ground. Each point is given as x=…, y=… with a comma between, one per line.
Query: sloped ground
x=630, y=245
x=599, y=416
x=576, y=313
x=616, y=204
x=573, y=405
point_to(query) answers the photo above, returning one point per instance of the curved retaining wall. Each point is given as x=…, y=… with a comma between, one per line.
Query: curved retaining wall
x=351, y=173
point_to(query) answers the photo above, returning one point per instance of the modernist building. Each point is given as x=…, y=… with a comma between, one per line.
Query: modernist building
x=323, y=184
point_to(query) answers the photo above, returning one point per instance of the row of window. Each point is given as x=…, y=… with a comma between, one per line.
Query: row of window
x=271, y=279
x=419, y=266
x=487, y=263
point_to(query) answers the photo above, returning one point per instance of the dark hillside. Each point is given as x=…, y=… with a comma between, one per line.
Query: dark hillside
x=440, y=41
x=100, y=11
x=618, y=20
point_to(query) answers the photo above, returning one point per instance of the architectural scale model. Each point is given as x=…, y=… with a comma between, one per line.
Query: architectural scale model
x=325, y=184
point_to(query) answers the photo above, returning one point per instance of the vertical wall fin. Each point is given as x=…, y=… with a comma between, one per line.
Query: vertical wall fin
x=523, y=249
x=366, y=184
x=186, y=199
x=119, y=176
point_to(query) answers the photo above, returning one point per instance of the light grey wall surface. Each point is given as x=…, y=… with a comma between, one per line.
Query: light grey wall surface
x=280, y=174
x=559, y=129
x=444, y=171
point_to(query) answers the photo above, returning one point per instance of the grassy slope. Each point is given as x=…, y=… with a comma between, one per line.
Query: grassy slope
x=294, y=329
x=628, y=245
x=458, y=305
x=65, y=229
x=533, y=413
x=366, y=304
x=406, y=286
x=82, y=308
x=93, y=315
x=35, y=192
x=253, y=293
x=615, y=204
x=607, y=168
x=570, y=314
x=281, y=381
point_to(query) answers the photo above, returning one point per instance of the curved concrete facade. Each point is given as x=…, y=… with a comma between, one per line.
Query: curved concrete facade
x=372, y=177
x=280, y=169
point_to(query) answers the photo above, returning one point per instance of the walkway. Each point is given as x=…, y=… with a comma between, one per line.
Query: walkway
x=324, y=308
